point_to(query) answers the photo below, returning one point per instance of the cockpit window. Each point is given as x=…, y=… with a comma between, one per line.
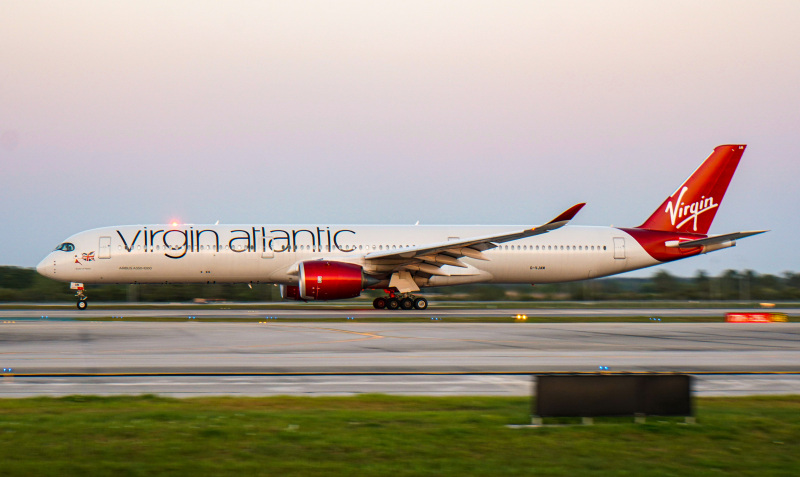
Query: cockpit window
x=66, y=247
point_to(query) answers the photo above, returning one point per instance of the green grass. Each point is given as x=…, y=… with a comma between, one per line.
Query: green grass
x=383, y=435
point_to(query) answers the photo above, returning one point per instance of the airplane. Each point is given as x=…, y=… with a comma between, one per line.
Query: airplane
x=332, y=262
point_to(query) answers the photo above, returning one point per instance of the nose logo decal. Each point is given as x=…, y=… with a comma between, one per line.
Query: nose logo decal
x=86, y=257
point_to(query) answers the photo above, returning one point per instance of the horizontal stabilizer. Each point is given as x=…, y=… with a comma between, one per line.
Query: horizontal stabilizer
x=714, y=240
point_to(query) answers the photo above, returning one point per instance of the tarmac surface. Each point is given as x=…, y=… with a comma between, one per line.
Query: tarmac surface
x=312, y=312
x=214, y=358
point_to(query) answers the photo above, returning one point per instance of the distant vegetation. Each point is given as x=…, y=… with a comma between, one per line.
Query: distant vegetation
x=24, y=284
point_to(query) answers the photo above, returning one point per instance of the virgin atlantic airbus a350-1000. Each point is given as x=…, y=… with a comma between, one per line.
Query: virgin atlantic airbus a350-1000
x=332, y=262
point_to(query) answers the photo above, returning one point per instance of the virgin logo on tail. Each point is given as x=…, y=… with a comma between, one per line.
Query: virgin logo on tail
x=688, y=212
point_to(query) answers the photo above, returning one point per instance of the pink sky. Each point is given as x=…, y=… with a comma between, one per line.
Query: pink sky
x=393, y=112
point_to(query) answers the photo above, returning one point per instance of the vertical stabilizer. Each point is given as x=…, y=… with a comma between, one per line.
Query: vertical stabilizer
x=692, y=207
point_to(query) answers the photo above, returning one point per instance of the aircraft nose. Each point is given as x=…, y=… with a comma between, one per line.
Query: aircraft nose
x=45, y=267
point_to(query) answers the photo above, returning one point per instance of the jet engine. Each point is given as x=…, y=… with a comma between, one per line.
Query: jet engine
x=327, y=280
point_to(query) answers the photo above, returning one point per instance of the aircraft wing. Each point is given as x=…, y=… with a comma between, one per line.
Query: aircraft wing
x=713, y=240
x=448, y=253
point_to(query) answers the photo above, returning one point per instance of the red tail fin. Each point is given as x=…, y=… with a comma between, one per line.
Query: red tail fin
x=692, y=207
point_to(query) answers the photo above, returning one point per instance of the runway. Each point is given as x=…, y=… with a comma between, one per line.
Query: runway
x=316, y=313
x=261, y=358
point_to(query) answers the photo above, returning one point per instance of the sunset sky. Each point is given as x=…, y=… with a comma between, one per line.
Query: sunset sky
x=454, y=112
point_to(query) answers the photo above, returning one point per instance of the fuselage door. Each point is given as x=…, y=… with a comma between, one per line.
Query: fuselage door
x=105, y=248
x=619, y=248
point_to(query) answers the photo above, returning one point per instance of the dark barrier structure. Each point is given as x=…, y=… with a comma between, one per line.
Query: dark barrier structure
x=613, y=395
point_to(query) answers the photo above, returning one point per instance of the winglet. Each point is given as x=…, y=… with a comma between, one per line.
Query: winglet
x=567, y=215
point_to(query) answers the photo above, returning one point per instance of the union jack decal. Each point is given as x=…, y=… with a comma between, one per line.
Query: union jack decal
x=87, y=257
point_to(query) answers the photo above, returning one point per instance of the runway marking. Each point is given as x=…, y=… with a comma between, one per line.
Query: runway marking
x=336, y=330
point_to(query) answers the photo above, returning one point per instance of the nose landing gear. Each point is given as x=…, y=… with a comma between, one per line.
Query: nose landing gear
x=403, y=301
x=82, y=303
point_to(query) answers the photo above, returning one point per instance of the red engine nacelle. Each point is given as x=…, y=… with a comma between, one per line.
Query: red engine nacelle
x=325, y=280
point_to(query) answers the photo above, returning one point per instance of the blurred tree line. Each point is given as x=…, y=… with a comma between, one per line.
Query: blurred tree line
x=730, y=285
x=24, y=284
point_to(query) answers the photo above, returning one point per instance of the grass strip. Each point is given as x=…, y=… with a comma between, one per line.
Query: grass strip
x=384, y=435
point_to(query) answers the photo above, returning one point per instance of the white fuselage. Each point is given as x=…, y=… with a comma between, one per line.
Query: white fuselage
x=271, y=253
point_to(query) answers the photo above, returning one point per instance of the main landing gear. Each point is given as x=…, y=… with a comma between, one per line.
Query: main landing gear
x=404, y=301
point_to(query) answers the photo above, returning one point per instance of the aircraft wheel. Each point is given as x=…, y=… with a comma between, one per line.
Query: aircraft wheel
x=392, y=303
x=407, y=303
x=421, y=303
x=379, y=303
x=82, y=304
